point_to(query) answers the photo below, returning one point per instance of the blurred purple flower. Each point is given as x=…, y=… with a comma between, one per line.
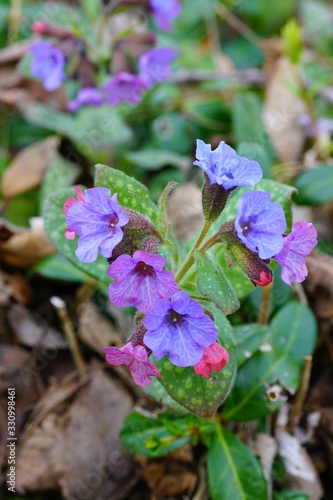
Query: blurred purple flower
x=140, y=281
x=296, y=246
x=98, y=221
x=136, y=358
x=165, y=12
x=87, y=95
x=214, y=358
x=321, y=126
x=180, y=328
x=223, y=166
x=260, y=223
x=124, y=87
x=154, y=65
x=47, y=64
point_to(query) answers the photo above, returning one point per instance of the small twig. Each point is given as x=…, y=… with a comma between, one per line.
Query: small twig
x=301, y=294
x=265, y=305
x=301, y=394
x=238, y=25
x=67, y=327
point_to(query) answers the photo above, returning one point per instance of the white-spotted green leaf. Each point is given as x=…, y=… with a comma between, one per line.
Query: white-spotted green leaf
x=213, y=284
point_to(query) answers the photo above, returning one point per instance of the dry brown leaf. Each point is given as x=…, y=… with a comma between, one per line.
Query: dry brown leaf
x=282, y=107
x=301, y=473
x=28, y=167
x=95, y=330
x=185, y=211
x=33, y=331
x=83, y=455
x=16, y=370
x=319, y=284
x=25, y=248
x=14, y=52
x=167, y=477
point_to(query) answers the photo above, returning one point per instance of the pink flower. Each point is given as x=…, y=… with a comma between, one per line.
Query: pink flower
x=70, y=234
x=296, y=246
x=136, y=358
x=214, y=358
x=140, y=281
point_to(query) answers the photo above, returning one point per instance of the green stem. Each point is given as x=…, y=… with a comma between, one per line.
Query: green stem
x=190, y=258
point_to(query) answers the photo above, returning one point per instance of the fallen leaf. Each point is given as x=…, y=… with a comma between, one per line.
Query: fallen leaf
x=282, y=107
x=33, y=331
x=83, y=455
x=95, y=330
x=301, y=473
x=27, y=169
x=319, y=284
x=265, y=448
x=24, y=248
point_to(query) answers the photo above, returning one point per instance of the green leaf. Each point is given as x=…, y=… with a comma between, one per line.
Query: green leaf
x=59, y=268
x=213, y=284
x=92, y=129
x=154, y=437
x=296, y=327
x=154, y=159
x=55, y=227
x=131, y=193
x=233, y=471
x=247, y=121
x=60, y=174
x=93, y=8
x=294, y=337
x=197, y=394
x=241, y=284
x=291, y=495
x=250, y=338
x=315, y=186
x=156, y=391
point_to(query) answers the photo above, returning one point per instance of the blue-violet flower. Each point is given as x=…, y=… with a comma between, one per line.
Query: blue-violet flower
x=223, y=166
x=140, y=281
x=124, y=87
x=165, y=12
x=136, y=358
x=296, y=246
x=154, y=65
x=98, y=221
x=87, y=95
x=180, y=328
x=260, y=223
x=47, y=64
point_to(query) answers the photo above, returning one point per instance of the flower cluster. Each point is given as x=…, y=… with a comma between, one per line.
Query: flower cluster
x=174, y=324
x=260, y=223
x=134, y=69
x=169, y=322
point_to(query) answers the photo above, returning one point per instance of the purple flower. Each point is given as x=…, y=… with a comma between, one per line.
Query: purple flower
x=180, y=328
x=88, y=95
x=69, y=234
x=296, y=245
x=98, y=221
x=260, y=223
x=165, y=12
x=124, y=87
x=136, y=358
x=140, y=281
x=47, y=64
x=224, y=167
x=154, y=65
